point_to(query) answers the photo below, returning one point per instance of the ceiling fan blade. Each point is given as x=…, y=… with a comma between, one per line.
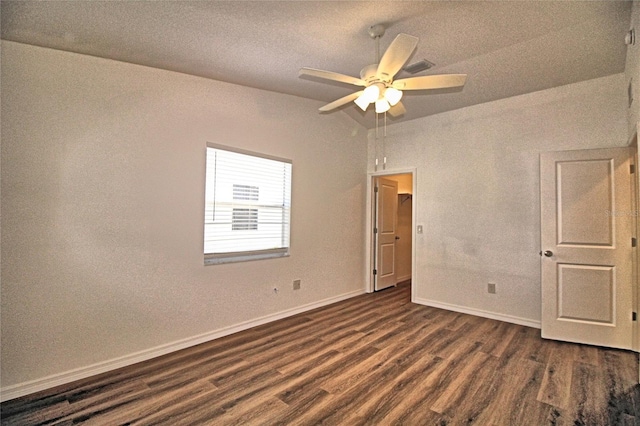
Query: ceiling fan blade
x=397, y=110
x=342, y=101
x=330, y=75
x=396, y=56
x=427, y=82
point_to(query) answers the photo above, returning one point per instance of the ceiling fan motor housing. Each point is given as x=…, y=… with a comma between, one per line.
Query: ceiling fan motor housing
x=370, y=75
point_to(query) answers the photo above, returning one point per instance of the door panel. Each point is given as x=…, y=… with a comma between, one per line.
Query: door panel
x=583, y=185
x=586, y=230
x=586, y=293
x=387, y=260
x=386, y=222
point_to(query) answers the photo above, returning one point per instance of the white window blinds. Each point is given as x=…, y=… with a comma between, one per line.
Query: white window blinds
x=247, y=206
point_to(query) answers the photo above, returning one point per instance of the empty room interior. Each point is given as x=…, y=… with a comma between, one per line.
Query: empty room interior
x=319, y=212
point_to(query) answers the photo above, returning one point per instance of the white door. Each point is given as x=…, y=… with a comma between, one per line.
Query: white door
x=587, y=225
x=385, y=223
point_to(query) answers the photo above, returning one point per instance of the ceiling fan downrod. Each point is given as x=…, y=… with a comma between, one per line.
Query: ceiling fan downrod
x=376, y=32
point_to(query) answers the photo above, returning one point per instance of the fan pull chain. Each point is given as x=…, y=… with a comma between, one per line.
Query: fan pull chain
x=384, y=135
x=376, y=142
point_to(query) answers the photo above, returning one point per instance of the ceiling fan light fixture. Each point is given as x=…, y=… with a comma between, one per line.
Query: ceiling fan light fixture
x=392, y=95
x=378, y=80
x=362, y=102
x=382, y=105
x=371, y=93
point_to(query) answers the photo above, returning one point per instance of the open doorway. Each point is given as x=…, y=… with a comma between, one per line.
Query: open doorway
x=390, y=233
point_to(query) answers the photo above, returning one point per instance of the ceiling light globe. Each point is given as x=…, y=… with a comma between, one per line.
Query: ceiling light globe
x=362, y=102
x=392, y=95
x=371, y=93
x=382, y=106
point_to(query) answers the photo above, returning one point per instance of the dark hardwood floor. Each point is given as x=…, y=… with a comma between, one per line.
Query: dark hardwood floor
x=374, y=359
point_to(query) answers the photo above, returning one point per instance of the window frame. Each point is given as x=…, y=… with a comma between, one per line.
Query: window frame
x=249, y=255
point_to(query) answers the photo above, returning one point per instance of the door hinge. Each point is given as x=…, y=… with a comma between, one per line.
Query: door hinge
x=634, y=242
x=634, y=316
x=375, y=272
x=375, y=230
x=375, y=189
x=632, y=168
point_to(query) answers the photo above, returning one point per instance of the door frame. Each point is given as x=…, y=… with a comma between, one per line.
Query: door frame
x=369, y=240
x=635, y=188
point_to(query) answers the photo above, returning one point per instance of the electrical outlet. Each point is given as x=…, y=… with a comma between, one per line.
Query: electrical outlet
x=491, y=288
x=296, y=284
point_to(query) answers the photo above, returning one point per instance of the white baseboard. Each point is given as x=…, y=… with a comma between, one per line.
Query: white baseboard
x=26, y=388
x=478, y=312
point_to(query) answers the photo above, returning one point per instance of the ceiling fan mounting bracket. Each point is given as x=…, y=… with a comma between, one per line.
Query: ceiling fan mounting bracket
x=376, y=31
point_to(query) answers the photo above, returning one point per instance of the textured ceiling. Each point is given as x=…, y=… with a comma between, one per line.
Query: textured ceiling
x=506, y=48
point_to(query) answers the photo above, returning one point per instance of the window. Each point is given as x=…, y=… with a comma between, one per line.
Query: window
x=246, y=192
x=247, y=206
x=244, y=219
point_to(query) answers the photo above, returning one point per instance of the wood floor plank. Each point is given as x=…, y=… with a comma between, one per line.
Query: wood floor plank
x=533, y=348
x=622, y=390
x=586, y=354
x=292, y=414
x=588, y=399
x=247, y=414
x=42, y=415
x=339, y=366
x=360, y=396
x=411, y=391
x=372, y=338
x=247, y=396
x=150, y=403
x=375, y=359
x=382, y=404
x=498, y=338
x=84, y=409
x=457, y=321
x=413, y=344
x=441, y=380
x=339, y=383
x=322, y=353
x=556, y=384
x=479, y=367
x=513, y=392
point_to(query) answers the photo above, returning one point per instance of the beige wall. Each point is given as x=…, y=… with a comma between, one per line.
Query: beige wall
x=632, y=71
x=102, y=211
x=478, y=192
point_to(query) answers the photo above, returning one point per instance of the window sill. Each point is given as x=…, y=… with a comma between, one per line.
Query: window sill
x=243, y=258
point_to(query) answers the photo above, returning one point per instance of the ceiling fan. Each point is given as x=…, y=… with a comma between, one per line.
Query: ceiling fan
x=380, y=88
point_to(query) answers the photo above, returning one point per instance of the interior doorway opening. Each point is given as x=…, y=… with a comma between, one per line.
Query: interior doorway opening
x=391, y=230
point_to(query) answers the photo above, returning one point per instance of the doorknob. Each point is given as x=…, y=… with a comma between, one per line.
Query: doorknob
x=548, y=253
x=397, y=238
